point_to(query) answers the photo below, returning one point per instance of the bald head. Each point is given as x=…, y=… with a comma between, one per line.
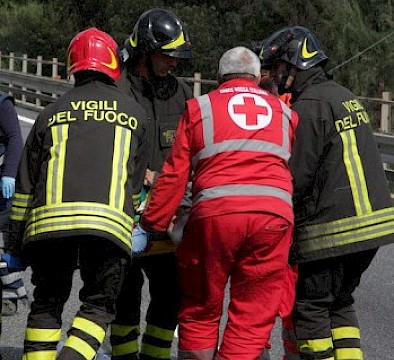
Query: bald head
x=239, y=62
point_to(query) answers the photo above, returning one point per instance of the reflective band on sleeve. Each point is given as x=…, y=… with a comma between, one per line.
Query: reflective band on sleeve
x=21, y=204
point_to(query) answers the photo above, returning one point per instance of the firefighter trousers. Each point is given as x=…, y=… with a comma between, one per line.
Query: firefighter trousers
x=102, y=267
x=253, y=250
x=161, y=316
x=326, y=323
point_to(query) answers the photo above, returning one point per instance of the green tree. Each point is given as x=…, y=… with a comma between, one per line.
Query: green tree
x=345, y=29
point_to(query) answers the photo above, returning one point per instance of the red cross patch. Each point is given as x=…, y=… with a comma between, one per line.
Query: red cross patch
x=250, y=111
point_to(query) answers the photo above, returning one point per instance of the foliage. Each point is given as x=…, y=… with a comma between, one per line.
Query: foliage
x=345, y=29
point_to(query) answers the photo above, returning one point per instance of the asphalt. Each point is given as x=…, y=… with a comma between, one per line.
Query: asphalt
x=374, y=302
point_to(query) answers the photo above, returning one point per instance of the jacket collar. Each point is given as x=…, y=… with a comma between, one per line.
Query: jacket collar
x=306, y=78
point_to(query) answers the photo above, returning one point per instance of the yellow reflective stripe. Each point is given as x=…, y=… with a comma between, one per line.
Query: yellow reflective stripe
x=90, y=328
x=122, y=145
x=43, y=335
x=80, y=346
x=346, y=224
x=84, y=208
x=354, y=169
x=40, y=355
x=329, y=241
x=315, y=345
x=349, y=353
x=78, y=223
x=19, y=214
x=126, y=348
x=56, y=164
x=159, y=333
x=180, y=40
x=21, y=199
x=21, y=204
x=76, y=220
x=123, y=330
x=133, y=42
x=345, y=332
x=155, y=351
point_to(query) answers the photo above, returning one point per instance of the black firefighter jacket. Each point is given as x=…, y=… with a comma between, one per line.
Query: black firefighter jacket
x=342, y=202
x=84, y=160
x=164, y=101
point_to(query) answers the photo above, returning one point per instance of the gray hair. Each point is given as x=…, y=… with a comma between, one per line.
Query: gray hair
x=239, y=60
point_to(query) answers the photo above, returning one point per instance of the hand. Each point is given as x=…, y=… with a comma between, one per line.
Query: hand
x=7, y=186
x=150, y=177
x=139, y=240
x=14, y=263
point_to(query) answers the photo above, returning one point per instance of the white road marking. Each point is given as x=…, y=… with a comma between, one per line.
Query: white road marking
x=25, y=119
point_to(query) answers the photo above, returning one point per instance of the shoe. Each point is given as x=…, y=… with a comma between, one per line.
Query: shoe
x=10, y=307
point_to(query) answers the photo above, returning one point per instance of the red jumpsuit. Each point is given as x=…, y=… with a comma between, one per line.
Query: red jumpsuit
x=237, y=140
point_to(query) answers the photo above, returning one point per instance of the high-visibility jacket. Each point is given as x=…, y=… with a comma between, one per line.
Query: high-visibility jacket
x=342, y=202
x=237, y=139
x=84, y=160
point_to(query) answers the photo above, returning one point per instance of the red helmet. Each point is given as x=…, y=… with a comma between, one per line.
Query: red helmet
x=93, y=49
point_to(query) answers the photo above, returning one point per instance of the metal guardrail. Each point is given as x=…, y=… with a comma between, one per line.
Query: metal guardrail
x=36, y=91
x=385, y=144
x=33, y=91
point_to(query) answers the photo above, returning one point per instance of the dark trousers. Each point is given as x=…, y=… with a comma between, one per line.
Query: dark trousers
x=161, y=315
x=325, y=320
x=102, y=268
x=5, y=212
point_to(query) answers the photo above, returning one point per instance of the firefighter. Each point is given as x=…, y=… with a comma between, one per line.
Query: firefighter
x=342, y=203
x=83, y=161
x=237, y=140
x=158, y=45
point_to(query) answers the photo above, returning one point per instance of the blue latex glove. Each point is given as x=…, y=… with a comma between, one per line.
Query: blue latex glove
x=139, y=240
x=14, y=263
x=7, y=186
